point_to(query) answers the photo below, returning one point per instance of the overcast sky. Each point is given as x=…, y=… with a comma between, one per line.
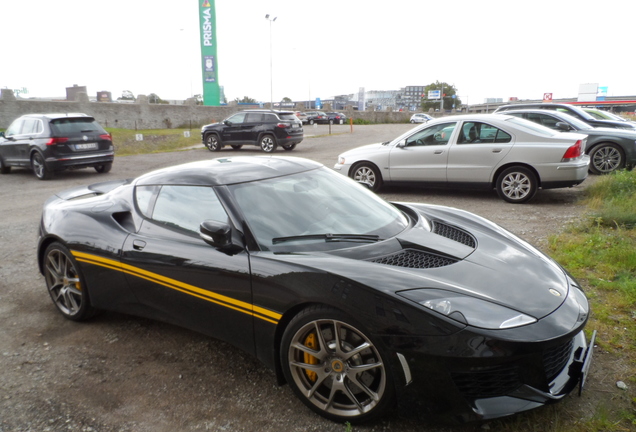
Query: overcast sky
x=487, y=48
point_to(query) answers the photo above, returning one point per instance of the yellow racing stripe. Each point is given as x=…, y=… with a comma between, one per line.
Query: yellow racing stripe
x=237, y=305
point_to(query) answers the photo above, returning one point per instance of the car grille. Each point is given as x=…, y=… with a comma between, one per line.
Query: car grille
x=556, y=358
x=454, y=233
x=412, y=258
x=488, y=382
x=503, y=380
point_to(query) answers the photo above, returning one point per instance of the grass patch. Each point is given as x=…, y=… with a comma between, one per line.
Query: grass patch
x=600, y=252
x=154, y=140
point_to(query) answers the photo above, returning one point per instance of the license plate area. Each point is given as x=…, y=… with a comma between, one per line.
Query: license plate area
x=86, y=146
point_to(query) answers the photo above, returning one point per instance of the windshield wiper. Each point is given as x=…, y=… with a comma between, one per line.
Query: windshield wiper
x=360, y=238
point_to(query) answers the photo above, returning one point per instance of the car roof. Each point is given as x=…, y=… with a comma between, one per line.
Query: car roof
x=229, y=170
x=53, y=116
x=269, y=111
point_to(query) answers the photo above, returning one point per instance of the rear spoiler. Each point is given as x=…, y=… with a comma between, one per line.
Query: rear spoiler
x=91, y=190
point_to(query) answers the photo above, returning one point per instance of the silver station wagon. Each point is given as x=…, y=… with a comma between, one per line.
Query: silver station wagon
x=489, y=151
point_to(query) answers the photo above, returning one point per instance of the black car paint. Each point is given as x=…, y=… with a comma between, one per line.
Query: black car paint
x=148, y=269
x=572, y=110
x=250, y=133
x=18, y=150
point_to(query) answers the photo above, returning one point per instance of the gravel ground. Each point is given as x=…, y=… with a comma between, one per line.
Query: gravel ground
x=121, y=373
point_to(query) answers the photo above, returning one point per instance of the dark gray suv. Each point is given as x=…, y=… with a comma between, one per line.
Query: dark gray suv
x=47, y=143
x=265, y=128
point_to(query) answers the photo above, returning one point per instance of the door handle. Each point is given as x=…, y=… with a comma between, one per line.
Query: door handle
x=438, y=152
x=496, y=150
x=139, y=244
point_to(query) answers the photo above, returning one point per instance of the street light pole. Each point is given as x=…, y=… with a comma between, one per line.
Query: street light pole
x=271, y=74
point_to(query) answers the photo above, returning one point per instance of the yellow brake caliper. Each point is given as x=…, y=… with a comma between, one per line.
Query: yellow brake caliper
x=310, y=342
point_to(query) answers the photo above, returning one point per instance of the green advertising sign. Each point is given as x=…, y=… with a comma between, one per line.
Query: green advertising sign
x=209, y=61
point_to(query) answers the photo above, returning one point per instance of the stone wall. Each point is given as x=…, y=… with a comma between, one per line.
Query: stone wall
x=143, y=115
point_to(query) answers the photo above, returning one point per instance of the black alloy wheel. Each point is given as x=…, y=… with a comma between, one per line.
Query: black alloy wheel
x=213, y=143
x=368, y=174
x=335, y=367
x=66, y=284
x=605, y=158
x=517, y=185
x=39, y=167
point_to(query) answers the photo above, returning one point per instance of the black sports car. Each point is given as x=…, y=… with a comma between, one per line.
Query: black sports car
x=355, y=302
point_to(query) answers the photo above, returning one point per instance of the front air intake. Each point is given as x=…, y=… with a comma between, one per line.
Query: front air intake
x=412, y=258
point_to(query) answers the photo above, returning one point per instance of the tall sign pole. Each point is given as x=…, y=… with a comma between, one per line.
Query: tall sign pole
x=209, y=60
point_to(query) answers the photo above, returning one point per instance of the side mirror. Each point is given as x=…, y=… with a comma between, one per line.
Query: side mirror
x=401, y=144
x=563, y=126
x=1, y=134
x=227, y=122
x=219, y=235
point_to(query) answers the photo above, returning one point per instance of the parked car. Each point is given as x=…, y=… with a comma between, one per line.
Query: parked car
x=354, y=302
x=573, y=110
x=420, y=118
x=48, y=143
x=514, y=156
x=609, y=149
x=336, y=118
x=301, y=116
x=317, y=117
x=265, y=128
x=607, y=115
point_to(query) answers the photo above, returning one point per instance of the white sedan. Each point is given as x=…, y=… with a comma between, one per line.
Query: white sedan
x=492, y=151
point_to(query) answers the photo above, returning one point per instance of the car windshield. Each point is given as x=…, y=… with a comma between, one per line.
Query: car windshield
x=74, y=126
x=315, y=210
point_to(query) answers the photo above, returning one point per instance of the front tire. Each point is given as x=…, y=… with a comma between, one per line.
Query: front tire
x=367, y=174
x=268, y=143
x=66, y=284
x=517, y=185
x=334, y=367
x=39, y=167
x=213, y=143
x=605, y=158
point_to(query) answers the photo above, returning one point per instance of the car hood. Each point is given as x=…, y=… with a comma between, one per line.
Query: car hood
x=499, y=267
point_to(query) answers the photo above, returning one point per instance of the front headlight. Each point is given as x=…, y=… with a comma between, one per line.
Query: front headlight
x=468, y=310
x=341, y=160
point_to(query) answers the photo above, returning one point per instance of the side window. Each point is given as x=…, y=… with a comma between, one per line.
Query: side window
x=237, y=118
x=434, y=135
x=476, y=133
x=270, y=118
x=30, y=126
x=187, y=206
x=14, y=128
x=543, y=119
x=253, y=118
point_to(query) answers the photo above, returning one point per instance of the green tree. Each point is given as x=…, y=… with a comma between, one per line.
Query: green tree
x=286, y=99
x=245, y=100
x=154, y=99
x=449, y=94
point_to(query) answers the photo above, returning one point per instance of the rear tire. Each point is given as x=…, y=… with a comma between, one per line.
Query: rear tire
x=517, y=185
x=4, y=169
x=605, y=158
x=103, y=169
x=268, y=143
x=66, y=284
x=39, y=167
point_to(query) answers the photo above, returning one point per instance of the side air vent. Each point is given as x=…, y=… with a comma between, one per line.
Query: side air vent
x=454, y=233
x=412, y=258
